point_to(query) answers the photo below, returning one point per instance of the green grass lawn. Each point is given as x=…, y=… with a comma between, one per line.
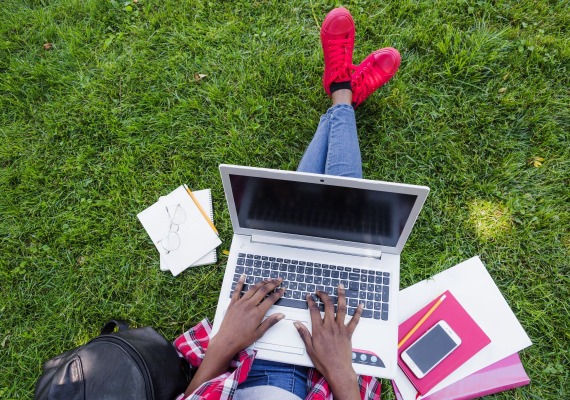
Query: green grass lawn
x=103, y=109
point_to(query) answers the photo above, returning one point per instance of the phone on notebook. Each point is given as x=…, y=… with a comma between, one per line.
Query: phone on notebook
x=431, y=349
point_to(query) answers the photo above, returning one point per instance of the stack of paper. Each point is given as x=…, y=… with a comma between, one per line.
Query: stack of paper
x=475, y=290
x=179, y=228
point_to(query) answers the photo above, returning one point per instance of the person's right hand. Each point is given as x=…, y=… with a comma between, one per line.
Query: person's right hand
x=330, y=345
x=243, y=323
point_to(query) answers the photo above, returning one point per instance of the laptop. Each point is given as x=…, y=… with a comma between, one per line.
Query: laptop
x=316, y=231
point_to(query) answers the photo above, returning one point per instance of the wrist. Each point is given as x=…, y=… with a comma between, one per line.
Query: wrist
x=221, y=350
x=216, y=361
x=343, y=383
x=341, y=374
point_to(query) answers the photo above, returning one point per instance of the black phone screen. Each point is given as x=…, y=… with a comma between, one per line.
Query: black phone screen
x=431, y=348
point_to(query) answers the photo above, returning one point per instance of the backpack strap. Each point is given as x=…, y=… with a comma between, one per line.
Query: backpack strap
x=114, y=323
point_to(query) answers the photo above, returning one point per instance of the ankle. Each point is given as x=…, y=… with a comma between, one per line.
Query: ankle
x=342, y=96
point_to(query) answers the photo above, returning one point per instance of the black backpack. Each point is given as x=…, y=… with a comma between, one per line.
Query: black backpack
x=131, y=364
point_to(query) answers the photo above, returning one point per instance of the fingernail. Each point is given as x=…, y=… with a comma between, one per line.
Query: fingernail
x=280, y=317
x=297, y=325
x=242, y=278
x=340, y=286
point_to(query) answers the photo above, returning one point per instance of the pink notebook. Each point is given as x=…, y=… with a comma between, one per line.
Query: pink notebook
x=503, y=375
x=473, y=339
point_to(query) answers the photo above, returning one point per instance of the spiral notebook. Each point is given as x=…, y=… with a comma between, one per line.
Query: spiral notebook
x=180, y=231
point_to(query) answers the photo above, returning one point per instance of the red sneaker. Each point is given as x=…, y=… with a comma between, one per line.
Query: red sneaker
x=376, y=69
x=337, y=39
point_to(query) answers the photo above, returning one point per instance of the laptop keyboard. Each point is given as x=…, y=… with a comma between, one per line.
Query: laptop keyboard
x=369, y=287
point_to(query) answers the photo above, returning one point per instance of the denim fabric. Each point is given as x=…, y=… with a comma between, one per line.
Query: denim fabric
x=291, y=378
x=334, y=149
x=264, y=393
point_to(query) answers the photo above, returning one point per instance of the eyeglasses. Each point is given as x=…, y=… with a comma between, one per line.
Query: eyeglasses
x=171, y=241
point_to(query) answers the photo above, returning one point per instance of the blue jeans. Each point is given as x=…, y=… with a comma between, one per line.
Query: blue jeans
x=334, y=150
x=291, y=378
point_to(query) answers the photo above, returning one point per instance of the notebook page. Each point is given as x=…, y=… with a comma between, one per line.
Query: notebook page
x=204, y=197
x=196, y=237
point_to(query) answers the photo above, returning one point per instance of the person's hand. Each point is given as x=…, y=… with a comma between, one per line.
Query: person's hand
x=330, y=346
x=242, y=324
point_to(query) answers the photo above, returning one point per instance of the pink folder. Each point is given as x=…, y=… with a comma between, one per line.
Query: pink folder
x=505, y=374
x=473, y=339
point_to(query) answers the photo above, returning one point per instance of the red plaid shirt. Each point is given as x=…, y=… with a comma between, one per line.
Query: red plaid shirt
x=194, y=343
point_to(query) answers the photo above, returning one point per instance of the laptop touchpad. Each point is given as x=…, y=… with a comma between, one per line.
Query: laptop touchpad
x=283, y=338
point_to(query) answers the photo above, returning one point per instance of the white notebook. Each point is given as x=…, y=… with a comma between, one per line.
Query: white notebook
x=177, y=221
x=204, y=197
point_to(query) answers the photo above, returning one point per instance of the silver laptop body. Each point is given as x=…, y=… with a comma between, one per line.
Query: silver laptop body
x=294, y=224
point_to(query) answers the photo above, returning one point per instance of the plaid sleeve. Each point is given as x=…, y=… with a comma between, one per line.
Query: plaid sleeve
x=319, y=388
x=192, y=345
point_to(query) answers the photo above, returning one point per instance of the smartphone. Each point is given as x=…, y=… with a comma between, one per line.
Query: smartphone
x=431, y=349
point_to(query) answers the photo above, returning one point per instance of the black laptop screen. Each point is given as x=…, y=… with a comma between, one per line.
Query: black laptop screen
x=320, y=210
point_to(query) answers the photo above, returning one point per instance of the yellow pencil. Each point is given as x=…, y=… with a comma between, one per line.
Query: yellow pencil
x=421, y=321
x=201, y=209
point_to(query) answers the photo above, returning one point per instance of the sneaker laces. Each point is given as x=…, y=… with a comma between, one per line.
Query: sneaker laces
x=339, y=59
x=366, y=82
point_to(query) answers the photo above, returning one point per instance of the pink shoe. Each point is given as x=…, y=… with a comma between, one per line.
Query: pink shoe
x=337, y=39
x=376, y=69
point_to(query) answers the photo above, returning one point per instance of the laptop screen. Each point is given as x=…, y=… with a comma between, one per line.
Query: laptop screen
x=319, y=210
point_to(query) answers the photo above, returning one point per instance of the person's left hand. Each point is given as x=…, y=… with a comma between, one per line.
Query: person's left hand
x=242, y=324
x=330, y=344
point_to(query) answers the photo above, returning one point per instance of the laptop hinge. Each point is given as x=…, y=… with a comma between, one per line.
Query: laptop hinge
x=312, y=245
